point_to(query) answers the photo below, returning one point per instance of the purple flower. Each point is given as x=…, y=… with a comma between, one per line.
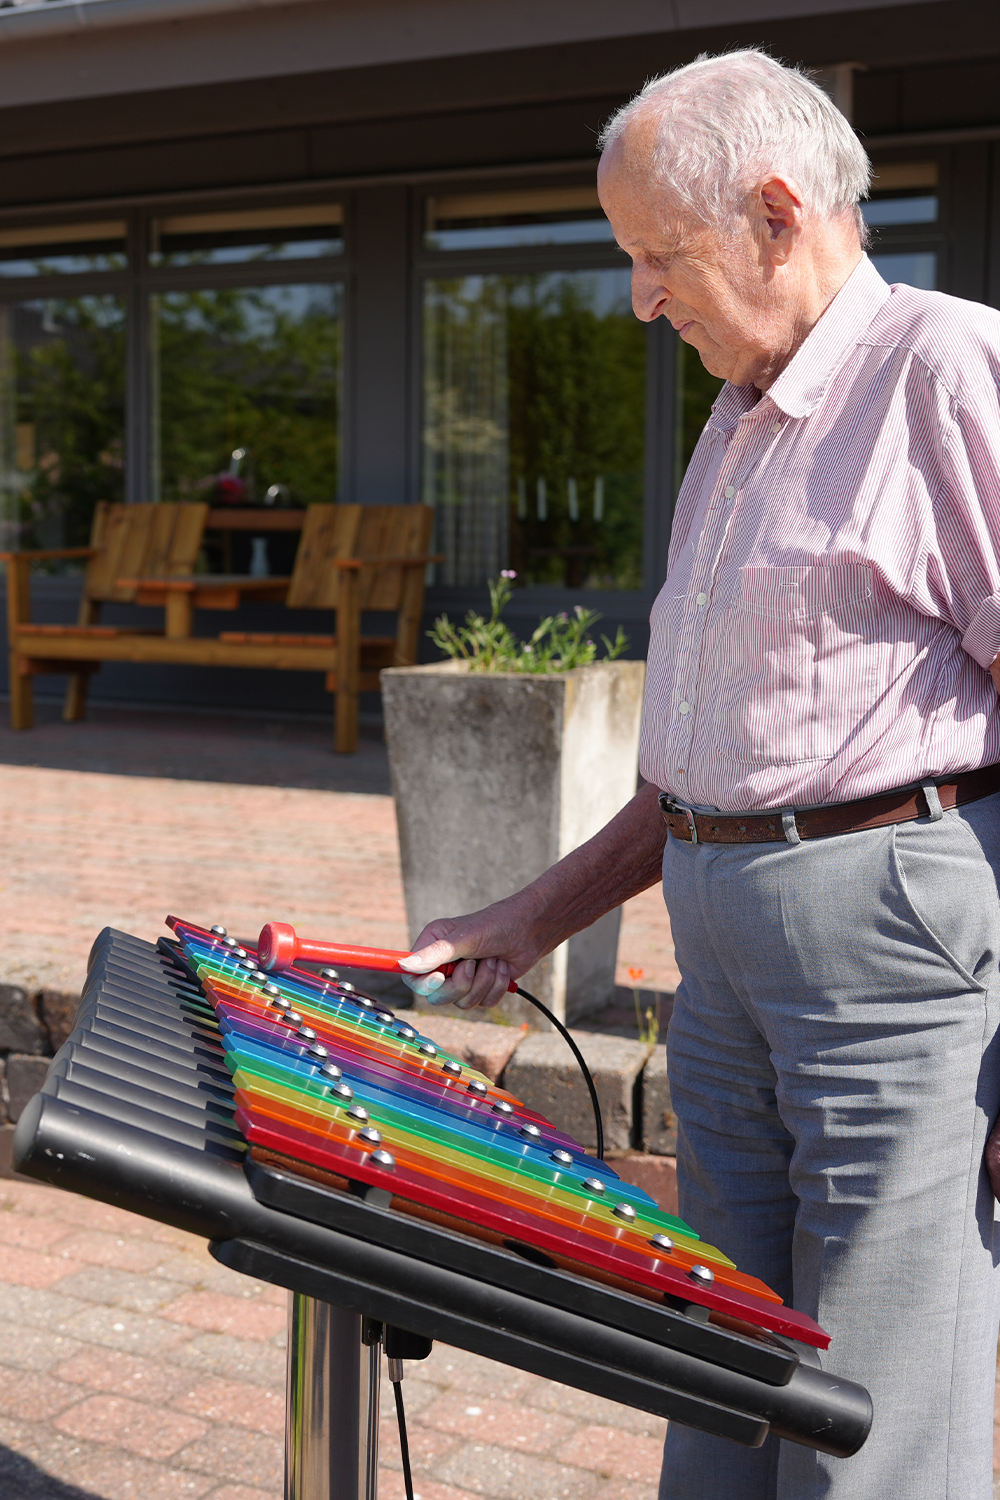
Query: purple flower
x=507, y=573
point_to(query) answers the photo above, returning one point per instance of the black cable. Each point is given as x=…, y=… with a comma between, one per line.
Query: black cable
x=404, y=1447
x=583, y=1068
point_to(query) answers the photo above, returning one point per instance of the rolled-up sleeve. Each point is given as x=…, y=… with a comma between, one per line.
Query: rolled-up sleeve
x=982, y=639
x=965, y=566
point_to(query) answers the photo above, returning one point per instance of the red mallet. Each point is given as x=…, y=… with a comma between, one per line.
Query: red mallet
x=278, y=947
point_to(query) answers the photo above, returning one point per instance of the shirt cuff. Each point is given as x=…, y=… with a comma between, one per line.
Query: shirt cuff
x=982, y=639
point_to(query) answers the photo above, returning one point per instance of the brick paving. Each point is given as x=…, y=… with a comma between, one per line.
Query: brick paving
x=133, y=1367
x=120, y=820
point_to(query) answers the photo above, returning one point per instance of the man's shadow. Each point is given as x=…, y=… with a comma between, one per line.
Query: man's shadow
x=20, y=1479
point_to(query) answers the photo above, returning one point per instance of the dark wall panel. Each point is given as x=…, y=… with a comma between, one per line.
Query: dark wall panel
x=490, y=136
x=222, y=161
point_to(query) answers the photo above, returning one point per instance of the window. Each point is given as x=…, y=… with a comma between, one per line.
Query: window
x=247, y=394
x=534, y=391
x=230, y=369
x=63, y=249
x=62, y=416
x=531, y=216
x=275, y=234
x=903, y=212
x=534, y=410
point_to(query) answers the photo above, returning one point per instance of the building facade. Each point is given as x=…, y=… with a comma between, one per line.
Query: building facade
x=305, y=250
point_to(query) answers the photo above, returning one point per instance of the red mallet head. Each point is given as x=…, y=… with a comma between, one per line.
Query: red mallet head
x=277, y=947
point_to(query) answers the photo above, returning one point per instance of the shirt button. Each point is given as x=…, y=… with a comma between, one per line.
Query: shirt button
x=683, y=708
x=776, y=427
x=701, y=600
x=730, y=492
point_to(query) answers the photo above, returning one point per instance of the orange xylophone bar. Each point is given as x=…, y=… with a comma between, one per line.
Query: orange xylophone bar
x=279, y=946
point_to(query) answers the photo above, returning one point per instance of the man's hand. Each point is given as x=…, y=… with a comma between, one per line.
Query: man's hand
x=495, y=945
x=993, y=1160
x=505, y=940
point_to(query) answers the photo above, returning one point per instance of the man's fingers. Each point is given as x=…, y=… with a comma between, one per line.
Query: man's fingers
x=489, y=986
x=424, y=984
x=423, y=960
x=993, y=1160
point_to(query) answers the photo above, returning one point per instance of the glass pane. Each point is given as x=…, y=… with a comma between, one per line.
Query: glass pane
x=535, y=216
x=55, y=249
x=534, y=410
x=247, y=395
x=62, y=417
x=882, y=211
x=915, y=268
x=248, y=234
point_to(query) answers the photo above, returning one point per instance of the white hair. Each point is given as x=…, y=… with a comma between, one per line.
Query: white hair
x=725, y=123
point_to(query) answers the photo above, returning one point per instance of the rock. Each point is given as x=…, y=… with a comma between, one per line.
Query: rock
x=545, y=1075
x=483, y=1045
x=20, y=1029
x=25, y=1076
x=659, y=1123
x=58, y=1012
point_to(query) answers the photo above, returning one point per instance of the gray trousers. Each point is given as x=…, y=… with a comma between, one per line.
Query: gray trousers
x=833, y=1058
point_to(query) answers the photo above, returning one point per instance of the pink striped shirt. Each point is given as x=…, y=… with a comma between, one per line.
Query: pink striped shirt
x=832, y=602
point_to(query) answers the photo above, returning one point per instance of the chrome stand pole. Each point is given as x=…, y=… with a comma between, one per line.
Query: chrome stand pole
x=331, y=1417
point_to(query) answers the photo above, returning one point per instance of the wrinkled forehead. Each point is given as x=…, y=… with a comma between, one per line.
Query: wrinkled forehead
x=641, y=206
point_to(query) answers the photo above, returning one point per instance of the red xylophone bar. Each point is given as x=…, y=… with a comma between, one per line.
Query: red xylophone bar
x=278, y=947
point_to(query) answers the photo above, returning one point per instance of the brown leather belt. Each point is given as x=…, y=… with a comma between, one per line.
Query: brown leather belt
x=901, y=806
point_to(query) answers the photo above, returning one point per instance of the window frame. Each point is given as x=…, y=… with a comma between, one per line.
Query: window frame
x=908, y=239
x=140, y=280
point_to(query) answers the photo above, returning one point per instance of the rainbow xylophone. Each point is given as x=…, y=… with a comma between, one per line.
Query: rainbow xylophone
x=328, y=1078
x=322, y=1143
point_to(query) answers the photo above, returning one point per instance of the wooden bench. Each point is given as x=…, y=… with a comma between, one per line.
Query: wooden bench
x=158, y=540
x=350, y=559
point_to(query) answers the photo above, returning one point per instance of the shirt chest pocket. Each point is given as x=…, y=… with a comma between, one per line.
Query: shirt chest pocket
x=794, y=664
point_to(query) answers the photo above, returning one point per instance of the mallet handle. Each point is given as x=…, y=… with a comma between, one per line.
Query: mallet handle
x=279, y=946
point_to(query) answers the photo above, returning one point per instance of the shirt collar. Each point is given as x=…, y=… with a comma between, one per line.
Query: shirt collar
x=801, y=385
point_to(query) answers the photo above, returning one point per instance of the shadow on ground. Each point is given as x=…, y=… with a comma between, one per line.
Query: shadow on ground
x=20, y=1479
x=250, y=749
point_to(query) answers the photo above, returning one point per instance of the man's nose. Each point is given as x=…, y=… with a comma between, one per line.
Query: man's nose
x=650, y=298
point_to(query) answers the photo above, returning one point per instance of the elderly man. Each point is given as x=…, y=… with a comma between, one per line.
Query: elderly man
x=822, y=732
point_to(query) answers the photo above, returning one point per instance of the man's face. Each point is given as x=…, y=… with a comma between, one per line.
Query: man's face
x=716, y=292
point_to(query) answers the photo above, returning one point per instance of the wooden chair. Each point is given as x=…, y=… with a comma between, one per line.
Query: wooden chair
x=151, y=540
x=351, y=558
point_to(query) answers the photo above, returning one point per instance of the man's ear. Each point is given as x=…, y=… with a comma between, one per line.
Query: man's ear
x=780, y=218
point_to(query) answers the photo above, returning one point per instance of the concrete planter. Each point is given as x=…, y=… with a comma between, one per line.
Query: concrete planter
x=498, y=775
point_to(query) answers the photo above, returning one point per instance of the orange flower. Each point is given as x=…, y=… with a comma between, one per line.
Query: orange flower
x=635, y=975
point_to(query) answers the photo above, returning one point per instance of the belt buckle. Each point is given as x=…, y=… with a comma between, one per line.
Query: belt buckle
x=670, y=804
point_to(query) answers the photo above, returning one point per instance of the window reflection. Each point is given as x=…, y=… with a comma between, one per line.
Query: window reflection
x=532, y=216
x=241, y=235
x=62, y=408
x=916, y=268
x=881, y=212
x=534, y=410
x=247, y=394
x=62, y=249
